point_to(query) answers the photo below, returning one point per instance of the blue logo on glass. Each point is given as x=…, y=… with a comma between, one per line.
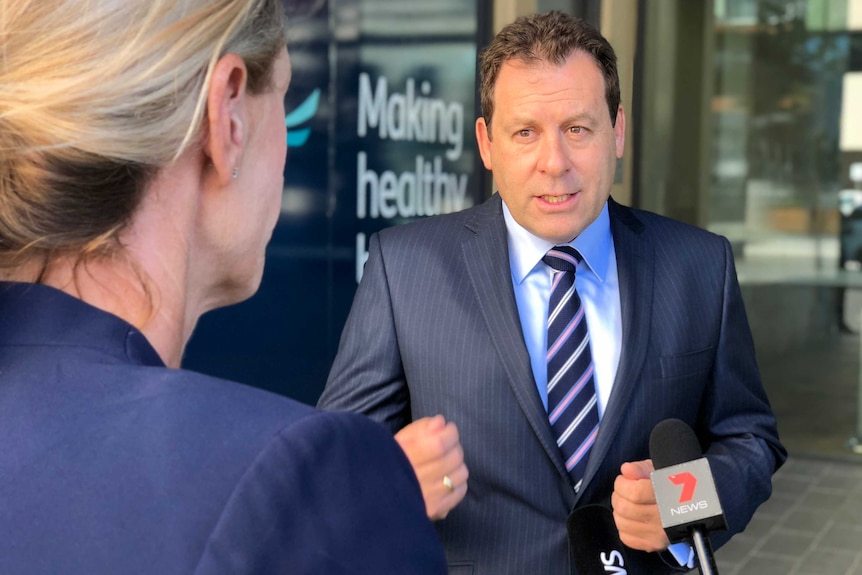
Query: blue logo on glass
x=301, y=114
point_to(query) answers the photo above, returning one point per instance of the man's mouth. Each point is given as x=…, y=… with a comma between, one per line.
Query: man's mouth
x=556, y=199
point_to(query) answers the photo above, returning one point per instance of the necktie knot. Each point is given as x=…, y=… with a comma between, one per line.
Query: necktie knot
x=562, y=258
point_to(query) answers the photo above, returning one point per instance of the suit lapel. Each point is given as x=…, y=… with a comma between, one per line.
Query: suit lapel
x=486, y=259
x=635, y=268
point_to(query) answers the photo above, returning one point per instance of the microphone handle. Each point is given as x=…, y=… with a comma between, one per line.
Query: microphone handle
x=703, y=550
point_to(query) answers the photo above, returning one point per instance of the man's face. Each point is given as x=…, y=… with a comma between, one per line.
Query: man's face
x=551, y=145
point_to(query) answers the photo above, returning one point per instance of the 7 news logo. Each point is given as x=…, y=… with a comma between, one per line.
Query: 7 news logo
x=688, y=482
x=613, y=562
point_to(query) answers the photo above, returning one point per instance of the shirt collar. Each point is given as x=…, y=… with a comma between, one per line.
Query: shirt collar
x=40, y=315
x=527, y=250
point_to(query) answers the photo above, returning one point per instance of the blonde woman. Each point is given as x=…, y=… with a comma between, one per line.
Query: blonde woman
x=142, y=148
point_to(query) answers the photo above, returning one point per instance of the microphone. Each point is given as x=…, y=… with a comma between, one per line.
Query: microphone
x=685, y=489
x=594, y=541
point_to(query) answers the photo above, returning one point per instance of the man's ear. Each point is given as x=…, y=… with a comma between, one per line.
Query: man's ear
x=226, y=120
x=483, y=139
x=620, y=132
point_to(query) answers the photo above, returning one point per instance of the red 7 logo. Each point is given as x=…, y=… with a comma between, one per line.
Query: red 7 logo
x=688, y=482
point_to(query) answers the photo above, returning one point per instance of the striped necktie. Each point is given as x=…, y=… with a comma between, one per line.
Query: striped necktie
x=572, y=409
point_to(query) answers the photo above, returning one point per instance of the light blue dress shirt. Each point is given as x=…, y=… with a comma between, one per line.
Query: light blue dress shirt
x=598, y=287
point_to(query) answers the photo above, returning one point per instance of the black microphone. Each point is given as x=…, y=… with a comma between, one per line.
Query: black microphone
x=594, y=541
x=685, y=489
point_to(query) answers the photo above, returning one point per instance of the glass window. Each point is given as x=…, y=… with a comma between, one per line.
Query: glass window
x=749, y=123
x=785, y=185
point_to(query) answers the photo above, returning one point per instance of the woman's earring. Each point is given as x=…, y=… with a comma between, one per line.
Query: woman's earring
x=235, y=173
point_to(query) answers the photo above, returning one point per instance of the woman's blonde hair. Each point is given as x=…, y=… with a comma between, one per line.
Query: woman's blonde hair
x=96, y=96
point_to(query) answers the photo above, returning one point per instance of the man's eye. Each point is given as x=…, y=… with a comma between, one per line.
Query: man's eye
x=575, y=130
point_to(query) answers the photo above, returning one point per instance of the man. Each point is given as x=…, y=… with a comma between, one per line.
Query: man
x=452, y=317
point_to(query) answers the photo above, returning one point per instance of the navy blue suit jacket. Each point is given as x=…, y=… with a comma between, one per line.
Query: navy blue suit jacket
x=112, y=463
x=434, y=328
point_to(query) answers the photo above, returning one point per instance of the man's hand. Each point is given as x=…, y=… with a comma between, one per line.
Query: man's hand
x=635, y=510
x=434, y=450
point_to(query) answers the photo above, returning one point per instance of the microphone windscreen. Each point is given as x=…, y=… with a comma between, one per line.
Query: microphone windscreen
x=595, y=541
x=672, y=442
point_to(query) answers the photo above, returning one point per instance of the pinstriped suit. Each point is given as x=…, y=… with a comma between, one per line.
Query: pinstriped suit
x=434, y=328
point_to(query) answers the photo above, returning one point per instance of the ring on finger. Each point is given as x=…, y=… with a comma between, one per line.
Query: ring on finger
x=447, y=482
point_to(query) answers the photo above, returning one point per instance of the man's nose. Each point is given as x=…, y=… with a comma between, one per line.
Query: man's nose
x=553, y=155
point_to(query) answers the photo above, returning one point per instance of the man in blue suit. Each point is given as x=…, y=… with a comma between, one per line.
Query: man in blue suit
x=451, y=318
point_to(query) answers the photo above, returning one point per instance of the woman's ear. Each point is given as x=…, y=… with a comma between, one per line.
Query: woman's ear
x=226, y=120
